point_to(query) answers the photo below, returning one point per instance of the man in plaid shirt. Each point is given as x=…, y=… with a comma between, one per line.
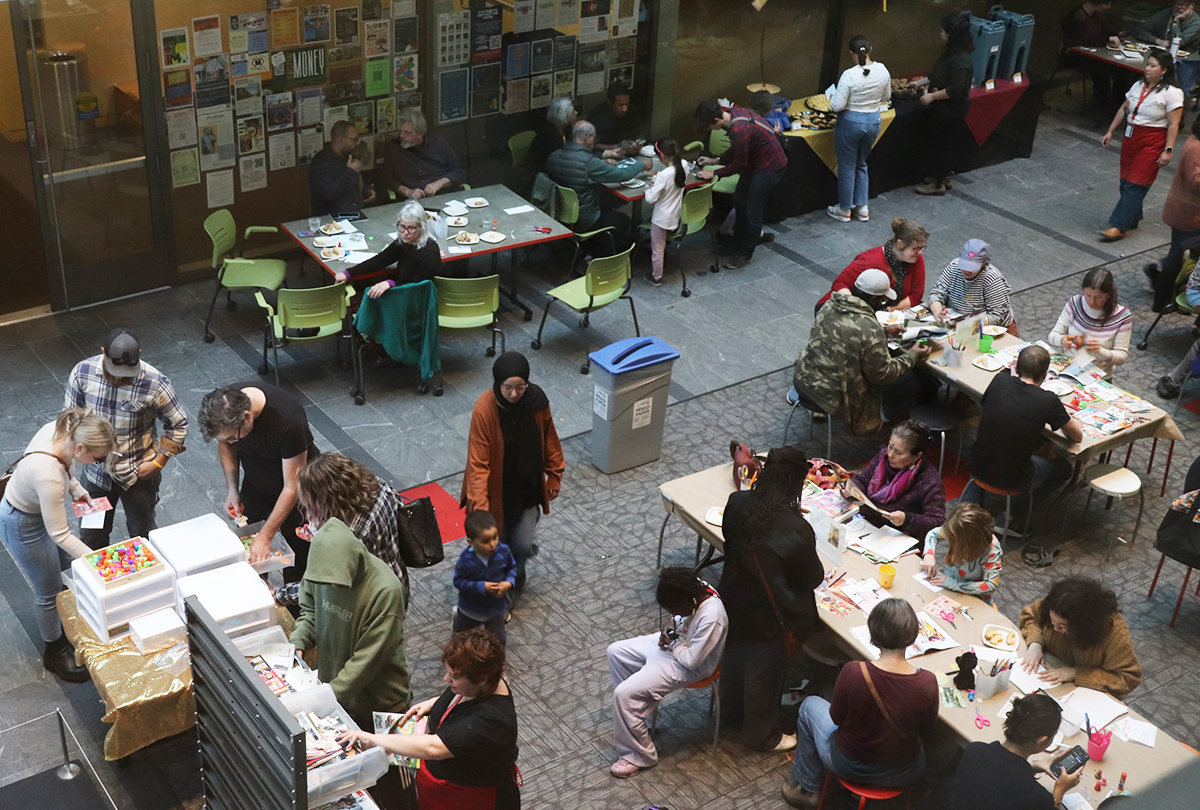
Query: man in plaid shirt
x=133, y=396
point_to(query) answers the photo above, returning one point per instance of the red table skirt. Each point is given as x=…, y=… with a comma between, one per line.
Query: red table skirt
x=988, y=107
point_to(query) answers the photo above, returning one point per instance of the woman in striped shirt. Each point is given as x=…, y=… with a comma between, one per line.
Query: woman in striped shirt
x=971, y=284
x=1096, y=322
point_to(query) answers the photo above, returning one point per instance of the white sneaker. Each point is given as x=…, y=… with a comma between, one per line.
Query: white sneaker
x=786, y=743
x=838, y=214
x=862, y=214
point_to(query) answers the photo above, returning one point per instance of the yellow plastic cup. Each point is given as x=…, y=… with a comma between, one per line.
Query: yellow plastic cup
x=887, y=575
x=985, y=343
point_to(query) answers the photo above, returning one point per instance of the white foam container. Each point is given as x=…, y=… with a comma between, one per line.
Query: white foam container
x=198, y=545
x=332, y=781
x=238, y=600
x=157, y=631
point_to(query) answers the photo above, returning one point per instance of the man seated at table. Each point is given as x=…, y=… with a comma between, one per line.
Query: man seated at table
x=1015, y=409
x=416, y=164
x=616, y=129
x=1182, y=21
x=577, y=168
x=1086, y=27
x=334, y=188
x=847, y=368
x=971, y=284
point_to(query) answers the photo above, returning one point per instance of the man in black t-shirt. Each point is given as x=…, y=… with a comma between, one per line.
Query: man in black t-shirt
x=1015, y=409
x=262, y=429
x=614, y=125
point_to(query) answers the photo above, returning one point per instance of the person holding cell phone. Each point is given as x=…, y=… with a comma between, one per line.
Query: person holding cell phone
x=902, y=483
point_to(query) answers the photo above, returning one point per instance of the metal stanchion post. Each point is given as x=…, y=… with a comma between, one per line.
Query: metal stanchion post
x=68, y=770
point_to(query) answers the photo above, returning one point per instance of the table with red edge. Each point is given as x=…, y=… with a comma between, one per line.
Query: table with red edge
x=519, y=231
x=1109, y=57
x=634, y=196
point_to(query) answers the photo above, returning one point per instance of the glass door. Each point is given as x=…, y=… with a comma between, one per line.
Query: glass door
x=105, y=218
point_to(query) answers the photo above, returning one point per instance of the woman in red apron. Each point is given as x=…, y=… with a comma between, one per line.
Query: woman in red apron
x=469, y=748
x=1150, y=113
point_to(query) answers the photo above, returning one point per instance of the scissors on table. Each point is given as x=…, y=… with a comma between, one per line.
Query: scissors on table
x=948, y=615
x=980, y=720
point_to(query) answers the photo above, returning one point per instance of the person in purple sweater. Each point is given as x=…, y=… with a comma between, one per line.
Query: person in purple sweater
x=902, y=483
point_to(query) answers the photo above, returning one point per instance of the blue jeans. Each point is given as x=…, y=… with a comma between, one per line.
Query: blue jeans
x=853, y=138
x=750, y=200
x=816, y=753
x=1127, y=213
x=41, y=560
x=520, y=535
x=1186, y=71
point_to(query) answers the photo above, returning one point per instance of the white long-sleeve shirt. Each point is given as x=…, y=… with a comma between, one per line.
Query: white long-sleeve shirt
x=1114, y=333
x=666, y=197
x=39, y=485
x=859, y=93
x=701, y=638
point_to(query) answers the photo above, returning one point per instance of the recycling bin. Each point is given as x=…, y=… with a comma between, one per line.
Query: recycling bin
x=629, y=402
x=989, y=40
x=1018, y=34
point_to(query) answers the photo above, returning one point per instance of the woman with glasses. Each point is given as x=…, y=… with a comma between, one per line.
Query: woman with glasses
x=514, y=459
x=414, y=254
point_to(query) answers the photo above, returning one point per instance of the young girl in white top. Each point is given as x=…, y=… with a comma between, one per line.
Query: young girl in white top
x=666, y=195
x=33, y=520
x=862, y=92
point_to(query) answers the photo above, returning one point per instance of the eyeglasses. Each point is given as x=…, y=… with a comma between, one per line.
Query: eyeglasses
x=237, y=437
x=408, y=228
x=513, y=389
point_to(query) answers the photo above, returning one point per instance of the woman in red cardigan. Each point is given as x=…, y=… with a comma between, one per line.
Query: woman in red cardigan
x=902, y=260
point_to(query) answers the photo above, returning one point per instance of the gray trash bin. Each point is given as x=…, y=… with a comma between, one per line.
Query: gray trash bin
x=71, y=107
x=629, y=404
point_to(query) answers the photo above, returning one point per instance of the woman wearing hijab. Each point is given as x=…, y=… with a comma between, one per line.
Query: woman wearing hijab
x=514, y=459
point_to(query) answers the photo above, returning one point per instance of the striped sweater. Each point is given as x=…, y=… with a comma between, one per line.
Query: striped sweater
x=988, y=292
x=1077, y=318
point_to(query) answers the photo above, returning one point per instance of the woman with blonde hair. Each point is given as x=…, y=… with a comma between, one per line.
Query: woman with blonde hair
x=972, y=563
x=33, y=520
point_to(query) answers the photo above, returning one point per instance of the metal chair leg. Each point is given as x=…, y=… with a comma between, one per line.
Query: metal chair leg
x=1116, y=535
x=537, y=342
x=1157, y=571
x=1141, y=507
x=633, y=311
x=1179, y=601
x=788, y=423
x=715, y=701
x=942, y=455
x=661, y=531
x=209, y=337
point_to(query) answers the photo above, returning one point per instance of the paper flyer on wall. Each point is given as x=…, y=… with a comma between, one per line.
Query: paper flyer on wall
x=486, y=31
x=247, y=95
x=219, y=188
x=258, y=64
x=251, y=135
x=404, y=8
x=334, y=114
x=516, y=96
x=620, y=74
x=177, y=88
x=206, y=36
x=174, y=49
x=377, y=37
x=316, y=24
x=624, y=18
x=385, y=115
x=181, y=128
x=308, y=107
x=542, y=58
x=568, y=12
x=216, y=135
x=248, y=32
x=593, y=21
x=185, y=168
x=345, y=25
x=281, y=146
x=378, y=77
x=564, y=53
x=285, y=28
x=523, y=16
x=454, y=38
x=404, y=73
x=516, y=64
x=308, y=143
x=252, y=171
x=362, y=115
x=546, y=14
x=540, y=89
x=212, y=80
x=622, y=51
x=564, y=82
x=485, y=89
x=454, y=90
x=280, y=114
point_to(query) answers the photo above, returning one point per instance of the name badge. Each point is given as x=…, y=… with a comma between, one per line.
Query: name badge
x=1129, y=131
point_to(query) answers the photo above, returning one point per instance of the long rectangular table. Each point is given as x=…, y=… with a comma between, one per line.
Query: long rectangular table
x=689, y=498
x=380, y=226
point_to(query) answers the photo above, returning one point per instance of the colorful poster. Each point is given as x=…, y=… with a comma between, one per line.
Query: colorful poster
x=517, y=66
x=252, y=169
x=404, y=74
x=485, y=33
x=248, y=33
x=185, y=168
x=564, y=82
x=377, y=37
x=516, y=96
x=362, y=115
x=308, y=107
x=620, y=74
x=174, y=49
x=300, y=67
x=251, y=135
x=593, y=21
x=206, y=36
x=540, y=87
x=214, y=129
x=454, y=93
x=181, y=128
x=523, y=16
x=564, y=53
x=280, y=114
x=542, y=59
x=568, y=12
x=405, y=34
x=316, y=24
x=219, y=188
x=177, y=88
x=385, y=115
x=247, y=95
x=281, y=146
x=308, y=143
x=285, y=28
x=345, y=21
x=212, y=81
x=373, y=10
x=454, y=40
x=345, y=53
x=485, y=89
x=378, y=78
x=547, y=14
x=624, y=18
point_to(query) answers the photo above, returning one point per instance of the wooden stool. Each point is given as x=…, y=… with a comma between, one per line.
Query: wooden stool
x=1009, y=494
x=866, y=793
x=1115, y=482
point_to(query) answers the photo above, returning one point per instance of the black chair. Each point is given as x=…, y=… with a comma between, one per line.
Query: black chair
x=1167, y=297
x=1179, y=539
x=814, y=410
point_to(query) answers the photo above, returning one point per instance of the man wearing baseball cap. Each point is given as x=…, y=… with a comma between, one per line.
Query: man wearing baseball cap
x=971, y=284
x=847, y=368
x=134, y=397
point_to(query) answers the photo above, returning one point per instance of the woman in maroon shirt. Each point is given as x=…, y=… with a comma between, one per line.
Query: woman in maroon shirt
x=871, y=732
x=902, y=258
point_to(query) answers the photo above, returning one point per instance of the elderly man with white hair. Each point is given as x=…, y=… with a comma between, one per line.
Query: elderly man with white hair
x=417, y=164
x=414, y=254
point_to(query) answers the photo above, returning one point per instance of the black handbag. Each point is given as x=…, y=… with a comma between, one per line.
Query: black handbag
x=1179, y=537
x=419, y=537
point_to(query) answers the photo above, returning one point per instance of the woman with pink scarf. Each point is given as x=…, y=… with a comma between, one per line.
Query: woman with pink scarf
x=902, y=483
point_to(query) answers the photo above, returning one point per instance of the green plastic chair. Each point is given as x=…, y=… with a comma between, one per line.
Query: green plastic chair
x=692, y=151
x=234, y=272
x=718, y=144
x=693, y=218
x=305, y=316
x=606, y=280
x=470, y=303
x=567, y=212
x=519, y=145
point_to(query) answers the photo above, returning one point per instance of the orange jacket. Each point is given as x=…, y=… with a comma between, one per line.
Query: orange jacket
x=483, y=482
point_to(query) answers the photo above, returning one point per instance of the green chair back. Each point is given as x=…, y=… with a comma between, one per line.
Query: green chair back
x=697, y=203
x=519, y=146
x=312, y=308
x=467, y=301
x=608, y=274
x=222, y=231
x=568, y=206
x=718, y=142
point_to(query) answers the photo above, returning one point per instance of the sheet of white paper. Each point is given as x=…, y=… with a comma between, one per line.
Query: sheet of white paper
x=358, y=256
x=279, y=656
x=863, y=634
x=1098, y=706
x=923, y=580
x=348, y=227
x=1135, y=731
x=887, y=544
x=93, y=521
x=1027, y=682
x=393, y=236
x=831, y=90
x=457, y=249
x=1073, y=801
x=520, y=209
x=1006, y=708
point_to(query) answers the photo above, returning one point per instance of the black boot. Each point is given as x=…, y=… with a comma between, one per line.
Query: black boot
x=59, y=658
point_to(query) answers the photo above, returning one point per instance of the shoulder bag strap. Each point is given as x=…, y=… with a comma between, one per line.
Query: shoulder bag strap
x=770, y=594
x=13, y=466
x=866, y=673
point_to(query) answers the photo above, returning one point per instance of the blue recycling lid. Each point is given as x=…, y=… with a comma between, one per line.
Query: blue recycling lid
x=633, y=353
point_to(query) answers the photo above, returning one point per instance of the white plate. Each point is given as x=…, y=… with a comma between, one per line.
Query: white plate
x=987, y=363
x=889, y=318
x=1058, y=387
x=333, y=253
x=474, y=240
x=456, y=222
x=994, y=331
x=715, y=515
x=476, y=202
x=455, y=210
x=1008, y=632
x=324, y=242
x=634, y=183
x=493, y=236
x=330, y=228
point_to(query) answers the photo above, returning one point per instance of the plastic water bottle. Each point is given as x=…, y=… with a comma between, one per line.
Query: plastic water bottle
x=1175, y=46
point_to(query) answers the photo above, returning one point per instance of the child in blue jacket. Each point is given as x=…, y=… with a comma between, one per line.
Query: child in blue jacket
x=485, y=572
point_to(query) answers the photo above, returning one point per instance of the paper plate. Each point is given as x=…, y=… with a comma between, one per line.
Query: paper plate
x=1058, y=387
x=325, y=242
x=476, y=202
x=464, y=238
x=756, y=86
x=1008, y=633
x=715, y=515
x=889, y=318
x=333, y=253
x=647, y=151
x=330, y=228
x=987, y=363
x=454, y=210
x=493, y=236
x=994, y=331
x=634, y=183
x=456, y=222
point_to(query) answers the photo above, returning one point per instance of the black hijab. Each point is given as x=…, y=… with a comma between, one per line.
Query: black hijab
x=524, y=464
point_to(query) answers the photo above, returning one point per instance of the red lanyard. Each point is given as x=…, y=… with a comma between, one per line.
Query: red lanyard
x=1145, y=92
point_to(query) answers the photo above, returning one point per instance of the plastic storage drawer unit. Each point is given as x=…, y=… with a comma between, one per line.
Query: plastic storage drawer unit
x=198, y=545
x=332, y=781
x=629, y=402
x=239, y=601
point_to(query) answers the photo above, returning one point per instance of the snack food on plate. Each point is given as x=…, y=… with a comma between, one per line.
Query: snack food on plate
x=464, y=238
